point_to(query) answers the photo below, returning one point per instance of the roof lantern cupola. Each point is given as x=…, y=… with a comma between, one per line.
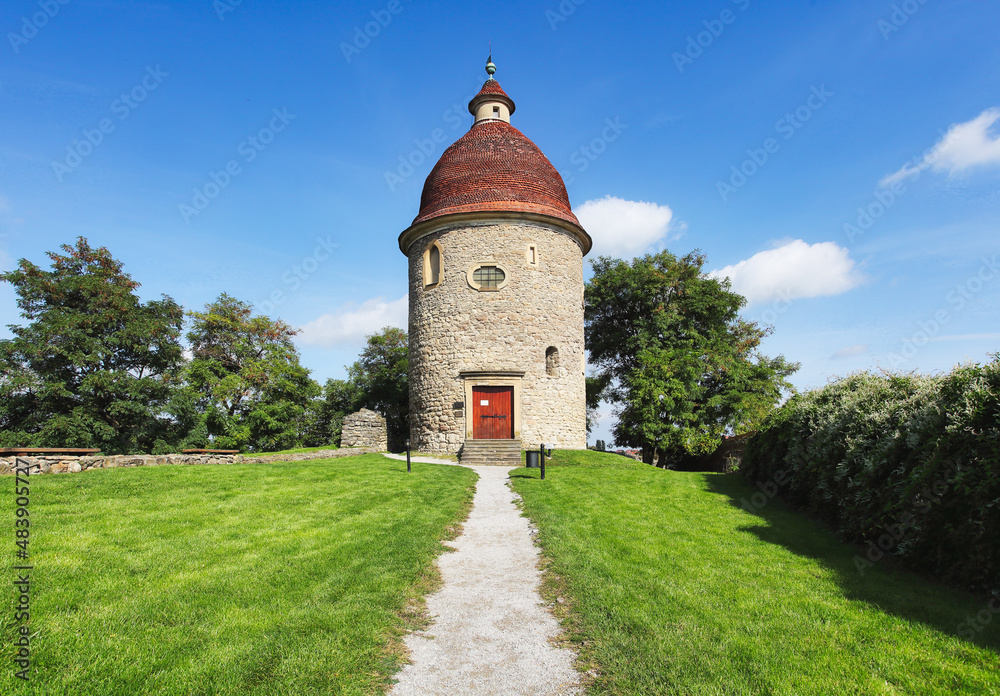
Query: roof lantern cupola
x=492, y=103
x=494, y=171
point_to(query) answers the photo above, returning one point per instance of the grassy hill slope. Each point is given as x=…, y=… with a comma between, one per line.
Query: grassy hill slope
x=243, y=579
x=670, y=587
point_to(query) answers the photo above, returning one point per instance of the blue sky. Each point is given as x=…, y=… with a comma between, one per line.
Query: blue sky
x=840, y=161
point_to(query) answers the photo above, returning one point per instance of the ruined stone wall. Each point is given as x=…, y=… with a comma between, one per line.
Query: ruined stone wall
x=365, y=429
x=455, y=328
x=62, y=464
x=68, y=464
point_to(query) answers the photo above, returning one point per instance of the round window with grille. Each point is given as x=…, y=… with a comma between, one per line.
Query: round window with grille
x=488, y=276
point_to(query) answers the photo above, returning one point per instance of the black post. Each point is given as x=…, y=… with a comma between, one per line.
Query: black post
x=541, y=457
x=408, y=470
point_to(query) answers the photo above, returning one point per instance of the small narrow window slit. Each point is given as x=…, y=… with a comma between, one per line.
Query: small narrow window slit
x=552, y=361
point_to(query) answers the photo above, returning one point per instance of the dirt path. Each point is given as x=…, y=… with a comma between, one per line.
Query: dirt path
x=490, y=633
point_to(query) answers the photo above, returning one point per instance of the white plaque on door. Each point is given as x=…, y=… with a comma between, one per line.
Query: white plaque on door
x=484, y=402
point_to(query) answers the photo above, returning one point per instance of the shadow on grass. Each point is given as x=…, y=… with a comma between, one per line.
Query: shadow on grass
x=887, y=585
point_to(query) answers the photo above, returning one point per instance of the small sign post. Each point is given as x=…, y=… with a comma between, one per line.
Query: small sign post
x=541, y=458
x=408, y=470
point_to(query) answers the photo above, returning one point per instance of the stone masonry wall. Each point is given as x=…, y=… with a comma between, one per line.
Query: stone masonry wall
x=62, y=464
x=454, y=328
x=56, y=464
x=365, y=429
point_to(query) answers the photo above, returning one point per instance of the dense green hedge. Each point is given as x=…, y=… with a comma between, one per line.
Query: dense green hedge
x=907, y=465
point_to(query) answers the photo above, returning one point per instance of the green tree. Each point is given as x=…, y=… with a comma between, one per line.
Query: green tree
x=185, y=424
x=677, y=361
x=594, y=387
x=381, y=375
x=326, y=414
x=95, y=366
x=246, y=371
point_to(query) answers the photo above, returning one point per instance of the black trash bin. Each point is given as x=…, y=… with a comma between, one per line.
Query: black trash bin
x=533, y=462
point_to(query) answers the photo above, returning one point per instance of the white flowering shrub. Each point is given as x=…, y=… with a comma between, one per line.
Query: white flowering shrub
x=917, y=457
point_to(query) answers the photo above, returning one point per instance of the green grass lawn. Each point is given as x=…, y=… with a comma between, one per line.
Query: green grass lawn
x=296, y=450
x=296, y=578
x=433, y=455
x=672, y=588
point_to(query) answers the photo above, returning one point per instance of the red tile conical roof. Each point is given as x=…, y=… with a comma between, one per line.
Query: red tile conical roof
x=492, y=88
x=494, y=167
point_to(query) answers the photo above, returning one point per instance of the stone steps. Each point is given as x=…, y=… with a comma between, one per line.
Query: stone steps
x=491, y=453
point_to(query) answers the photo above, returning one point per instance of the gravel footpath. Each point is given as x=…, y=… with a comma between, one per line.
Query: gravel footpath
x=490, y=632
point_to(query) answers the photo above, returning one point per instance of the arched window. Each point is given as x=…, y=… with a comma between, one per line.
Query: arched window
x=435, y=263
x=432, y=265
x=552, y=361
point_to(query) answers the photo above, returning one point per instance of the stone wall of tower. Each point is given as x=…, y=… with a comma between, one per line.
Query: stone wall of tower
x=455, y=328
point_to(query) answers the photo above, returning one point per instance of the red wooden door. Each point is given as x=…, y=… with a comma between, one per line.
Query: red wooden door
x=493, y=413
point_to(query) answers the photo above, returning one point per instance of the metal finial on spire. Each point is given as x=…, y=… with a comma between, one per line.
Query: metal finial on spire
x=490, y=68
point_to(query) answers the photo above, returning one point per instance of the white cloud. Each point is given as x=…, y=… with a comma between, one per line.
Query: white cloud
x=851, y=351
x=351, y=323
x=624, y=229
x=967, y=337
x=964, y=146
x=793, y=270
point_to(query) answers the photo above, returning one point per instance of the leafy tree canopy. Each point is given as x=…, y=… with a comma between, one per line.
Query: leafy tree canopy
x=595, y=386
x=94, y=365
x=246, y=371
x=325, y=416
x=680, y=365
x=381, y=375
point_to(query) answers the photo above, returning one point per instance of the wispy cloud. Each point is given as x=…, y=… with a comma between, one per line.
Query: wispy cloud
x=968, y=337
x=352, y=322
x=624, y=228
x=851, y=351
x=793, y=270
x=964, y=146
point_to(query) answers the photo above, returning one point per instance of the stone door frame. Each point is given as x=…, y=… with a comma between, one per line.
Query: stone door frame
x=492, y=412
x=492, y=378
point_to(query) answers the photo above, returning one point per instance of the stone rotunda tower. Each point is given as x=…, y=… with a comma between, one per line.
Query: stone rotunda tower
x=496, y=297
